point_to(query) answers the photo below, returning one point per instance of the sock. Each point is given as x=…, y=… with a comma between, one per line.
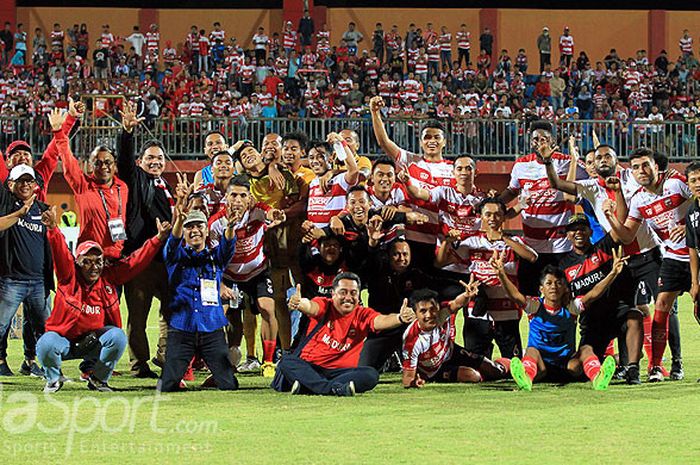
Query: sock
x=659, y=335
x=647, y=338
x=505, y=362
x=610, y=350
x=591, y=366
x=268, y=350
x=530, y=367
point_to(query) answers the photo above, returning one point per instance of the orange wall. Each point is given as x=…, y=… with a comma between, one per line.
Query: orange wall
x=121, y=20
x=366, y=18
x=594, y=31
x=676, y=21
x=242, y=24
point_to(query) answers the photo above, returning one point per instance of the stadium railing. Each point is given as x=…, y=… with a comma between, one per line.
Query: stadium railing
x=498, y=139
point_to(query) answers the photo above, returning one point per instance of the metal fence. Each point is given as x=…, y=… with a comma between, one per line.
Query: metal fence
x=484, y=138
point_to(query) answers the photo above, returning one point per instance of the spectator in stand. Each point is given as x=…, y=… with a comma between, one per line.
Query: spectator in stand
x=557, y=87
x=137, y=41
x=445, y=41
x=100, y=61
x=378, y=42
x=463, y=45
x=261, y=42
x=544, y=45
x=685, y=43
x=566, y=48
x=306, y=28
x=83, y=41
x=8, y=40
x=486, y=41
x=351, y=38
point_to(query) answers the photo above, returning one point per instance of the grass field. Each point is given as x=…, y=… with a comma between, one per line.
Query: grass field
x=440, y=424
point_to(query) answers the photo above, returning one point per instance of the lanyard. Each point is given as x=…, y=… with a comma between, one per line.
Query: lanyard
x=104, y=201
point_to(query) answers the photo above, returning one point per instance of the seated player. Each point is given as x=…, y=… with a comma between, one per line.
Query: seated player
x=429, y=349
x=551, y=348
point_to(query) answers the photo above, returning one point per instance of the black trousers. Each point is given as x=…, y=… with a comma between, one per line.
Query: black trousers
x=463, y=53
x=379, y=347
x=212, y=347
x=545, y=59
x=317, y=380
x=479, y=335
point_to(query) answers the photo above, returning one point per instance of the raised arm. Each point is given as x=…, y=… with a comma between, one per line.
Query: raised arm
x=413, y=190
x=128, y=268
x=514, y=294
x=618, y=264
x=49, y=160
x=521, y=250
x=71, y=168
x=443, y=256
x=386, y=144
x=571, y=174
x=304, y=305
x=394, y=320
x=126, y=153
x=64, y=263
x=624, y=233
x=555, y=181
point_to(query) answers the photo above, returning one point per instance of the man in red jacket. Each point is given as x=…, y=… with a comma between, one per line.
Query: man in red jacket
x=85, y=322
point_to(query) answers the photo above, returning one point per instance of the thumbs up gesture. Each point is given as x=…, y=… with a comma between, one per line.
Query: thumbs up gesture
x=406, y=314
x=295, y=300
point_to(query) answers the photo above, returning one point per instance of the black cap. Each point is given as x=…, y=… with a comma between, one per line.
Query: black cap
x=576, y=220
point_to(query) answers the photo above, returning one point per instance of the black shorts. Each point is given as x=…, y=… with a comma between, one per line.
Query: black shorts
x=256, y=287
x=450, y=368
x=479, y=335
x=644, y=269
x=529, y=273
x=600, y=325
x=558, y=374
x=674, y=276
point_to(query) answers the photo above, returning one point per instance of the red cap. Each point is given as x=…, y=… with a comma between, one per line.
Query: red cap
x=18, y=145
x=85, y=247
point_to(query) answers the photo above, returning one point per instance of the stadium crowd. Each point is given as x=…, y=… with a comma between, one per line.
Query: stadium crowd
x=295, y=230
x=303, y=71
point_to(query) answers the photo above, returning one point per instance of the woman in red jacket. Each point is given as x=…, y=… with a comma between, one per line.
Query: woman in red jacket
x=85, y=322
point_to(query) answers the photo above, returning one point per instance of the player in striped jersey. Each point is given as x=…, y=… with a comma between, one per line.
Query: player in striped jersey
x=249, y=266
x=662, y=203
x=494, y=315
x=426, y=171
x=547, y=210
x=325, y=204
x=429, y=349
x=551, y=348
x=384, y=191
x=223, y=170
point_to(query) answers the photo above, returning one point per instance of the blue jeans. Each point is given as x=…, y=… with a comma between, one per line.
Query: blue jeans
x=52, y=349
x=31, y=292
x=318, y=380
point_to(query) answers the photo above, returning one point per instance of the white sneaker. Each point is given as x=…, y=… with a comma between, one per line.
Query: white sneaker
x=656, y=375
x=251, y=365
x=296, y=388
x=50, y=388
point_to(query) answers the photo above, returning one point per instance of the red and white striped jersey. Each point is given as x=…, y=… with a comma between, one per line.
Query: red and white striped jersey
x=309, y=59
x=547, y=212
x=289, y=40
x=426, y=175
x=433, y=51
x=312, y=94
x=264, y=98
x=249, y=260
x=197, y=109
x=247, y=72
x=385, y=88
x=663, y=212
x=345, y=86
x=183, y=109
x=323, y=41
x=632, y=78
x=445, y=41
x=322, y=206
x=152, y=41
x=57, y=39
x=422, y=64
x=566, y=45
x=464, y=40
x=281, y=66
x=218, y=108
x=426, y=351
x=371, y=67
x=596, y=193
x=392, y=40
x=456, y=210
x=221, y=35
x=686, y=44
x=106, y=39
x=397, y=196
x=473, y=255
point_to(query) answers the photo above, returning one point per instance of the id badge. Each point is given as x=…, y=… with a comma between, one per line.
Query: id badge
x=117, y=229
x=209, y=292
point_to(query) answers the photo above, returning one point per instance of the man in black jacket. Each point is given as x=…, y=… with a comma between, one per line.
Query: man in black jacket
x=26, y=267
x=150, y=198
x=306, y=29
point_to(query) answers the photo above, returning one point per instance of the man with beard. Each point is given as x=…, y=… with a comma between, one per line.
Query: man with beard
x=326, y=362
x=150, y=200
x=662, y=203
x=617, y=184
x=547, y=210
x=426, y=171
